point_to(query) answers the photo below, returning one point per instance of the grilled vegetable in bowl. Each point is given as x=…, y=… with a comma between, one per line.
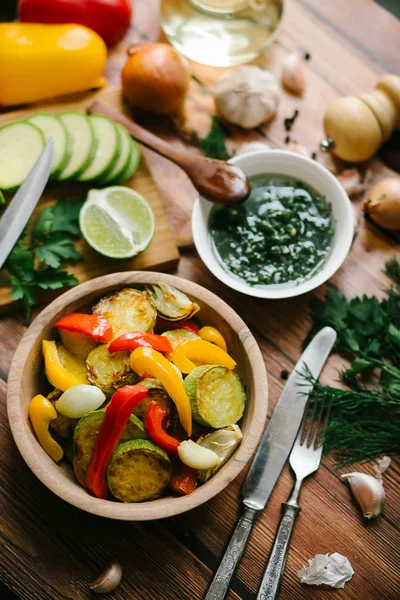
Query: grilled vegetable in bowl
x=120, y=402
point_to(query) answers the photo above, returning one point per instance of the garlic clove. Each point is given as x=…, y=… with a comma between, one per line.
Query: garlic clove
x=368, y=491
x=293, y=74
x=109, y=580
x=196, y=456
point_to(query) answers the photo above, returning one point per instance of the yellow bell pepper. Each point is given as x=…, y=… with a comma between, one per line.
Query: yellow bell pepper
x=62, y=376
x=147, y=361
x=41, y=412
x=210, y=334
x=202, y=353
x=44, y=61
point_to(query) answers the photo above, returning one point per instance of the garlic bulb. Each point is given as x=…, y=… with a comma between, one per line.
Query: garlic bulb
x=246, y=96
x=368, y=490
x=293, y=74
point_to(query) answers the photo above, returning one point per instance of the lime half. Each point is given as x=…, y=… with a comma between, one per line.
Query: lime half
x=117, y=222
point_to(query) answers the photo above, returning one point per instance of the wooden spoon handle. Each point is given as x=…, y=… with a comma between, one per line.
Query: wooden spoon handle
x=142, y=135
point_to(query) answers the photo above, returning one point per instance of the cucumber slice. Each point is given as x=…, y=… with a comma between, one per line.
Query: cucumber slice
x=138, y=470
x=132, y=165
x=83, y=144
x=123, y=158
x=50, y=125
x=109, y=142
x=20, y=147
x=216, y=395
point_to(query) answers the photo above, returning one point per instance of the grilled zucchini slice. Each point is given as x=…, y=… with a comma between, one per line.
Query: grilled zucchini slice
x=139, y=470
x=216, y=395
x=177, y=336
x=109, y=371
x=78, y=344
x=87, y=429
x=127, y=310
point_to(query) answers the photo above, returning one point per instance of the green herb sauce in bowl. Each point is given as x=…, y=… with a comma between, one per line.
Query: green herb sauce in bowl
x=281, y=235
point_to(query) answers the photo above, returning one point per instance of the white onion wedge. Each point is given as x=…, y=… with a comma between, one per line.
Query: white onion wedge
x=79, y=400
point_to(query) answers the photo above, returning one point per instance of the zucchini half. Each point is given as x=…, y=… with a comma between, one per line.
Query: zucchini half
x=127, y=310
x=216, y=395
x=87, y=429
x=138, y=471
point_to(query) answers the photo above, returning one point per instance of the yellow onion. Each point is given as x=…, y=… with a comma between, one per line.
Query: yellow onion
x=383, y=203
x=156, y=78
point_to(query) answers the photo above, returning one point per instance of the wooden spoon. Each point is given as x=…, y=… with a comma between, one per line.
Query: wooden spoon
x=213, y=179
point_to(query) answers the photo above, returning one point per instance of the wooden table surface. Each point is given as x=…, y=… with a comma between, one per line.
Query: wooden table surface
x=50, y=550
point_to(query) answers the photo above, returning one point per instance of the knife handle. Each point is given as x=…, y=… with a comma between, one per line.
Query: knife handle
x=234, y=552
x=271, y=582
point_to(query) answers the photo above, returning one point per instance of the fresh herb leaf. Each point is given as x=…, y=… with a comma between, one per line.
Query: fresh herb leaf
x=55, y=250
x=43, y=224
x=392, y=270
x=51, y=279
x=66, y=217
x=20, y=260
x=213, y=145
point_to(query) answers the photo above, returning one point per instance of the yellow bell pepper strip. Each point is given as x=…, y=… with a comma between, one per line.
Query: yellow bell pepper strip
x=56, y=373
x=43, y=61
x=210, y=334
x=154, y=364
x=203, y=353
x=41, y=412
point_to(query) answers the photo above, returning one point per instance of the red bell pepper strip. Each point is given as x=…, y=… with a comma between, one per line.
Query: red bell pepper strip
x=94, y=326
x=130, y=341
x=117, y=414
x=109, y=18
x=155, y=431
x=163, y=325
x=184, y=481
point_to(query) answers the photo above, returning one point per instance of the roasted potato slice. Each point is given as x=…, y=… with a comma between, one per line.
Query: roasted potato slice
x=109, y=371
x=171, y=304
x=177, y=336
x=127, y=310
x=138, y=470
x=157, y=394
x=77, y=344
x=87, y=429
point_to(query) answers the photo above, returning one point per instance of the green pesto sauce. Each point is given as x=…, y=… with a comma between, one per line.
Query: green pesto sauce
x=281, y=235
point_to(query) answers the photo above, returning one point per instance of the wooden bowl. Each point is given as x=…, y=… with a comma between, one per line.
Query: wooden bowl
x=27, y=379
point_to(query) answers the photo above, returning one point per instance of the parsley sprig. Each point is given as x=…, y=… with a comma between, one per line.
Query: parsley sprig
x=35, y=261
x=213, y=145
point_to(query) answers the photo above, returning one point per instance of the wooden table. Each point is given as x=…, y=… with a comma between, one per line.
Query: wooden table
x=50, y=550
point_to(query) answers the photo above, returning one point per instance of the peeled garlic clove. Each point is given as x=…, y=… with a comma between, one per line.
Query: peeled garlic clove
x=368, y=491
x=383, y=203
x=293, y=74
x=252, y=147
x=109, y=579
x=197, y=457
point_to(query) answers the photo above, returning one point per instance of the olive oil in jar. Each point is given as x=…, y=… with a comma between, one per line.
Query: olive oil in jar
x=221, y=33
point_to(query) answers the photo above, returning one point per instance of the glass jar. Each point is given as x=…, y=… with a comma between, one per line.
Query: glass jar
x=221, y=33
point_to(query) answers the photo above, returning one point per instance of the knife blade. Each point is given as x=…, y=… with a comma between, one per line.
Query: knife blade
x=19, y=210
x=272, y=454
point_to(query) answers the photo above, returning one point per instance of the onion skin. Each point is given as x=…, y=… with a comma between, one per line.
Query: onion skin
x=383, y=203
x=156, y=78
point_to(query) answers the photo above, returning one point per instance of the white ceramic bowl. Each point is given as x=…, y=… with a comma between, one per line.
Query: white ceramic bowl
x=266, y=162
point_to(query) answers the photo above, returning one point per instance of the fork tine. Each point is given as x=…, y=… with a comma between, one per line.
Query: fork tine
x=312, y=419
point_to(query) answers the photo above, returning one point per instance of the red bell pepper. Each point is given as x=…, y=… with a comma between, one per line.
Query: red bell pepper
x=163, y=325
x=109, y=18
x=155, y=431
x=184, y=480
x=117, y=414
x=93, y=326
x=135, y=339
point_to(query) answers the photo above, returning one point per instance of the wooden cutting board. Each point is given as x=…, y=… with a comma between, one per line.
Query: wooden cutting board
x=162, y=254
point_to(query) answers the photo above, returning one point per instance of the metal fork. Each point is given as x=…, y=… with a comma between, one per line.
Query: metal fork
x=304, y=459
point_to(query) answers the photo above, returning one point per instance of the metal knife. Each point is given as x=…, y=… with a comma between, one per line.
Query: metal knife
x=271, y=455
x=19, y=210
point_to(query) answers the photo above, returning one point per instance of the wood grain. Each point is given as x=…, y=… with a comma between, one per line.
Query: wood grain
x=351, y=44
x=162, y=253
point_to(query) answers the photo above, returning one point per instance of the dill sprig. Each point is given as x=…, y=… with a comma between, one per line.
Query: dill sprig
x=365, y=419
